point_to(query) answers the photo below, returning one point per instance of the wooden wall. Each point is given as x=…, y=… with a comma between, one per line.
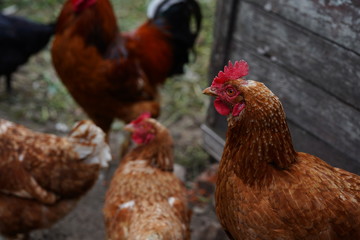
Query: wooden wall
x=308, y=54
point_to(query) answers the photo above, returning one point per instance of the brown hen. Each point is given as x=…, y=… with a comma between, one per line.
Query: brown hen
x=267, y=190
x=42, y=175
x=145, y=199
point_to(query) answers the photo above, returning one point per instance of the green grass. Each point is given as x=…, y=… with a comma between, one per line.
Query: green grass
x=40, y=96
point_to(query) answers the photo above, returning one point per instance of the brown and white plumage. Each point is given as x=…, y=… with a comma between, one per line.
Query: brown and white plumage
x=145, y=199
x=42, y=175
x=267, y=190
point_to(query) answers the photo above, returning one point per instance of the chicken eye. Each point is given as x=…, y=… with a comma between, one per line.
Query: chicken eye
x=230, y=92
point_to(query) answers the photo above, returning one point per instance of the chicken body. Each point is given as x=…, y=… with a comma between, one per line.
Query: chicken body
x=145, y=199
x=42, y=176
x=19, y=39
x=116, y=75
x=267, y=190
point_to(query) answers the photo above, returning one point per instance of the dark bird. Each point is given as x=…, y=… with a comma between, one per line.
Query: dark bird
x=19, y=39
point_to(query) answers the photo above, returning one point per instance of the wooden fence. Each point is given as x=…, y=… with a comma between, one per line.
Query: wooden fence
x=308, y=54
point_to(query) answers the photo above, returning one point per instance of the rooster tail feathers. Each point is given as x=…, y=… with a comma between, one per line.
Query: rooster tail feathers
x=89, y=142
x=177, y=16
x=182, y=19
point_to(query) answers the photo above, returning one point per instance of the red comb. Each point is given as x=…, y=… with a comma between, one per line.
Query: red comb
x=232, y=72
x=80, y=5
x=141, y=118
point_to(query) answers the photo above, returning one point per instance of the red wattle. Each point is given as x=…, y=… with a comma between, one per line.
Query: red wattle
x=221, y=107
x=237, y=109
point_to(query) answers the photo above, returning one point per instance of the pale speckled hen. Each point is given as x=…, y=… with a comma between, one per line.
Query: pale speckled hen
x=145, y=199
x=265, y=189
x=42, y=175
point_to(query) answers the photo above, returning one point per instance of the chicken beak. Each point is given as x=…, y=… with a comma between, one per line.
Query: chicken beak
x=129, y=127
x=210, y=91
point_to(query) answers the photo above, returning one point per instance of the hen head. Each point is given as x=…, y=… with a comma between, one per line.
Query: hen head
x=144, y=129
x=235, y=95
x=154, y=140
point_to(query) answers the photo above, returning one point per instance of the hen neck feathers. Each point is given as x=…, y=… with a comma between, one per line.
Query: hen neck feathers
x=159, y=152
x=259, y=140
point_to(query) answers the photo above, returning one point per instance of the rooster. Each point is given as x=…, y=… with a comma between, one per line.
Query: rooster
x=42, y=176
x=265, y=189
x=145, y=199
x=116, y=75
x=19, y=39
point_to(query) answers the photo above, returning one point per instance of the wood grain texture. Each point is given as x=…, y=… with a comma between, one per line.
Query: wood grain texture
x=337, y=21
x=226, y=11
x=315, y=59
x=306, y=142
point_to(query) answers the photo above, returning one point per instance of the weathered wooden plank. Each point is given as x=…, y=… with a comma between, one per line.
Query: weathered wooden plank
x=226, y=11
x=337, y=20
x=308, y=106
x=213, y=143
x=306, y=142
x=321, y=62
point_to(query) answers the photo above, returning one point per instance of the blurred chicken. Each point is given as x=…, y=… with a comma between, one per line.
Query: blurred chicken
x=42, y=176
x=203, y=186
x=19, y=39
x=265, y=189
x=145, y=199
x=114, y=75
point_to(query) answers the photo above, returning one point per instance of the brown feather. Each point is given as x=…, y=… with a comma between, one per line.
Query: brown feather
x=42, y=175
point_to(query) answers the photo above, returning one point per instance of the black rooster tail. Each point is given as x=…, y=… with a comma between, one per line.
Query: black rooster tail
x=176, y=17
